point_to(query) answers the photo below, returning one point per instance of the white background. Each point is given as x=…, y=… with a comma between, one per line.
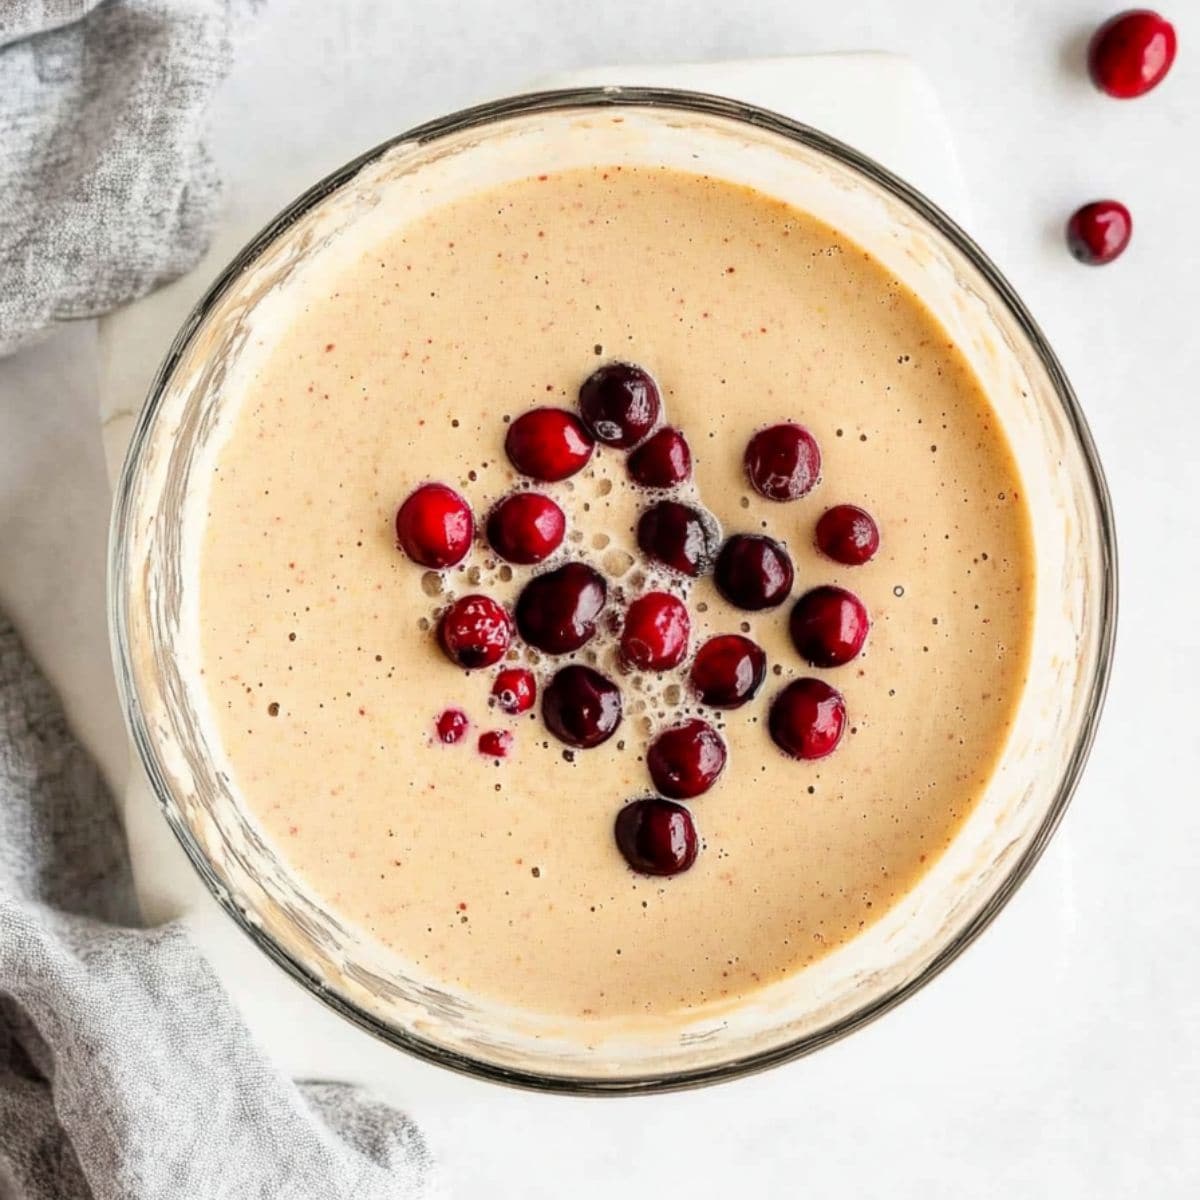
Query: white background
x=1061, y=1056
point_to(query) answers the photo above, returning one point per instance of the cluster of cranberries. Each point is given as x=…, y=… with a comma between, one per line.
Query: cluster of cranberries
x=558, y=610
x=1128, y=55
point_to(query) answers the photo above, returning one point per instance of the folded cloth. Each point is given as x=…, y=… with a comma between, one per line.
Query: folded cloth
x=105, y=189
x=124, y=1071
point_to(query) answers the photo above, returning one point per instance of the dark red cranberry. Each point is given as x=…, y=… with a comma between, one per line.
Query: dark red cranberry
x=662, y=461
x=678, y=536
x=496, y=743
x=526, y=527
x=581, y=707
x=548, y=444
x=828, y=626
x=685, y=761
x=783, y=462
x=753, y=572
x=475, y=632
x=557, y=611
x=657, y=837
x=515, y=690
x=1099, y=232
x=728, y=671
x=451, y=725
x=848, y=535
x=1131, y=53
x=807, y=718
x=655, y=634
x=620, y=404
x=434, y=526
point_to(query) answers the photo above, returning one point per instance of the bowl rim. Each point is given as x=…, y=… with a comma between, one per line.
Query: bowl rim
x=608, y=98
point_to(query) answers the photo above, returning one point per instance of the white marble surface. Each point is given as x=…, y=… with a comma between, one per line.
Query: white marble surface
x=1061, y=1055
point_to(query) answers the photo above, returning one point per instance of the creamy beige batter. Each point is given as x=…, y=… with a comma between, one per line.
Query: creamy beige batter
x=503, y=878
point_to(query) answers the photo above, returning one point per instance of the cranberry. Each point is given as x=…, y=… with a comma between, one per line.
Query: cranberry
x=828, y=626
x=434, y=526
x=557, y=611
x=619, y=404
x=783, y=462
x=1099, y=232
x=728, y=671
x=496, y=743
x=661, y=461
x=848, y=535
x=451, y=725
x=515, y=690
x=685, y=761
x=656, y=836
x=754, y=572
x=526, y=527
x=581, y=707
x=807, y=718
x=678, y=536
x=655, y=634
x=475, y=631
x=548, y=444
x=1131, y=53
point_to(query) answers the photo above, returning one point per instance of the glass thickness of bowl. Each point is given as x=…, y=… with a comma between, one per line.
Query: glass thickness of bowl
x=152, y=591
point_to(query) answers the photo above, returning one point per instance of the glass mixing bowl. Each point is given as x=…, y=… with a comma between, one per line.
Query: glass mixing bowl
x=153, y=592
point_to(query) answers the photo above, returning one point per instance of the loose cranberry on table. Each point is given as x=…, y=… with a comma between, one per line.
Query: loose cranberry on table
x=1099, y=232
x=807, y=719
x=662, y=460
x=848, y=535
x=434, y=526
x=526, y=527
x=728, y=671
x=548, y=444
x=684, y=761
x=828, y=626
x=475, y=632
x=515, y=690
x=496, y=743
x=753, y=572
x=655, y=634
x=581, y=707
x=657, y=837
x=783, y=462
x=451, y=725
x=557, y=611
x=678, y=536
x=1131, y=53
x=619, y=404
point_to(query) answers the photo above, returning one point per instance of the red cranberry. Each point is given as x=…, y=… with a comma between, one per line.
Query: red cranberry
x=678, y=536
x=1131, y=53
x=526, y=527
x=434, y=526
x=581, y=707
x=685, y=761
x=619, y=404
x=655, y=634
x=557, y=611
x=1099, y=232
x=807, y=718
x=496, y=743
x=475, y=632
x=783, y=462
x=828, y=626
x=661, y=461
x=548, y=444
x=848, y=535
x=656, y=836
x=728, y=671
x=753, y=572
x=515, y=690
x=451, y=725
